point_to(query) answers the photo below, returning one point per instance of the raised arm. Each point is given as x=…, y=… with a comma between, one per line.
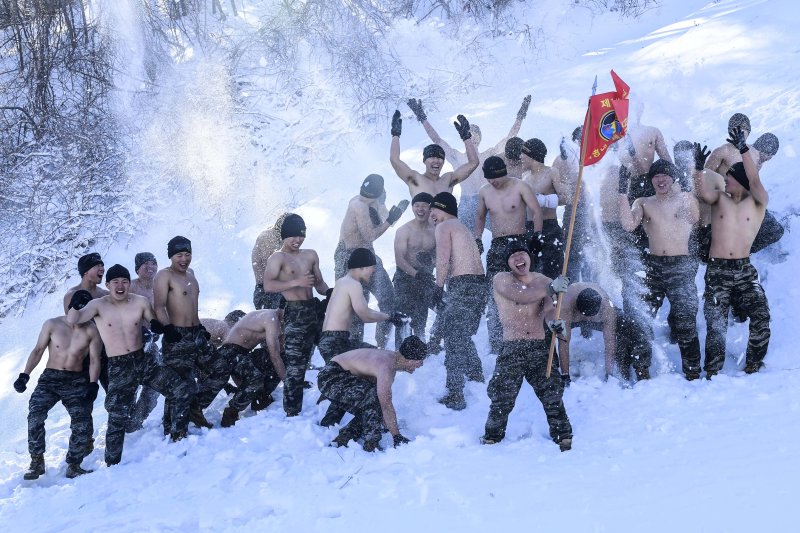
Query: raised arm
x=465, y=170
x=364, y=223
x=661, y=147
x=757, y=190
x=75, y=316
x=402, y=170
x=703, y=189
x=385, y=379
x=714, y=161
x=521, y=114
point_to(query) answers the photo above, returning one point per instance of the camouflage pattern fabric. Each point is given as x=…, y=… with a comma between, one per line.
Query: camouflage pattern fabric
x=147, y=398
x=465, y=301
x=265, y=300
x=526, y=359
x=358, y=396
x=300, y=326
x=551, y=259
x=412, y=297
x=496, y=262
x=70, y=389
x=331, y=344
x=125, y=373
x=247, y=372
x=633, y=346
x=734, y=282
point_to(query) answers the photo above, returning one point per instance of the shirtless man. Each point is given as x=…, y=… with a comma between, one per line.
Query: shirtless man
x=545, y=183
x=119, y=320
x=361, y=381
x=523, y=299
x=642, y=143
x=185, y=346
x=219, y=329
x=668, y=218
x=432, y=181
x=508, y=200
x=256, y=375
x=295, y=273
x=414, y=253
x=468, y=201
x=145, y=266
x=724, y=156
x=267, y=242
x=458, y=262
x=737, y=212
x=63, y=379
x=365, y=220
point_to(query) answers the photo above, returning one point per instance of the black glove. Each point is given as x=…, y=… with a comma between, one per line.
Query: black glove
x=536, y=243
x=171, y=334
x=462, y=127
x=398, y=319
x=156, y=326
x=738, y=138
x=416, y=107
x=397, y=211
x=629, y=146
x=399, y=439
x=91, y=392
x=566, y=380
x=437, y=296
x=523, y=109
x=397, y=124
x=374, y=216
x=624, y=180
x=21, y=383
x=563, y=148
x=205, y=332
x=79, y=300
x=479, y=242
x=700, y=156
x=424, y=277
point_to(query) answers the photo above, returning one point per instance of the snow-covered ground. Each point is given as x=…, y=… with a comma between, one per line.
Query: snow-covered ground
x=664, y=455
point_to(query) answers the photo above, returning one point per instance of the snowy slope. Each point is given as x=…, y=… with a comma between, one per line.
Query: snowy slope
x=664, y=455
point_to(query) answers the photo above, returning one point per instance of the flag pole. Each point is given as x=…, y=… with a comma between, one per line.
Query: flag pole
x=575, y=199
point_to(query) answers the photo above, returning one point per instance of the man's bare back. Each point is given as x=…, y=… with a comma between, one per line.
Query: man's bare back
x=254, y=328
x=456, y=251
x=347, y=298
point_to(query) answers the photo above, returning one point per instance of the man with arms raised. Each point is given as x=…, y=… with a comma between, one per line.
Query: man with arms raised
x=432, y=181
x=119, y=320
x=63, y=380
x=185, y=346
x=731, y=280
x=508, y=200
x=668, y=218
x=295, y=273
x=364, y=221
x=468, y=201
x=361, y=381
x=523, y=300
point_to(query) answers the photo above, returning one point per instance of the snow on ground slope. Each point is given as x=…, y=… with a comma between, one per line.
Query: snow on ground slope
x=664, y=455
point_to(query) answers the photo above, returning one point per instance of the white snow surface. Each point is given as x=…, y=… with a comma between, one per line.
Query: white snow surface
x=663, y=455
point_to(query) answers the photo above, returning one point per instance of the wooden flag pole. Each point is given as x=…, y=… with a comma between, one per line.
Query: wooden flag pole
x=575, y=200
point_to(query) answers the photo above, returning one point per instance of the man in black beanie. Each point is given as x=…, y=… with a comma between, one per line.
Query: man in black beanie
x=668, y=218
x=458, y=263
x=432, y=181
x=726, y=155
x=508, y=200
x=365, y=220
x=119, y=317
x=185, y=345
x=294, y=272
x=511, y=157
x=267, y=242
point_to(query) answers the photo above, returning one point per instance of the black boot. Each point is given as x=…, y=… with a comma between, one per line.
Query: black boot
x=37, y=467
x=229, y=417
x=197, y=417
x=74, y=470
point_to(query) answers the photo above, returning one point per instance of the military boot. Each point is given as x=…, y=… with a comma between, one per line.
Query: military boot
x=197, y=417
x=229, y=417
x=37, y=467
x=74, y=470
x=565, y=445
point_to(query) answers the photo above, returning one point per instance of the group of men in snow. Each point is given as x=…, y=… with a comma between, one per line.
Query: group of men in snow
x=658, y=216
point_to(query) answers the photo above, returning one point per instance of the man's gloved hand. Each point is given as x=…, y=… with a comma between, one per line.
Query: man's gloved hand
x=396, y=212
x=523, y=109
x=156, y=326
x=21, y=382
x=397, y=124
x=398, y=319
x=558, y=327
x=536, y=243
x=437, y=296
x=563, y=148
x=479, y=242
x=560, y=284
x=624, y=180
x=399, y=439
x=79, y=299
x=700, y=156
x=205, y=332
x=424, y=277
x=171, y=334
x=738, y=138
x=374, y=216
x=91, y=392
x=566, y=380
x=416, y=107
x=462, y=127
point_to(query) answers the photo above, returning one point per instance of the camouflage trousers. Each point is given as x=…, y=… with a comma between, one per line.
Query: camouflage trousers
x=380, y=285
x=496, y=262
x=147, y=398
x=125, y=373
x=464, y=304
x=673, y=278
x=412, y=296
x=70, y=389
x=626, y=264
x=734, y=282
x=551, y=259
x=331, y=344
x=300, y=327
x=265, y=300
x=526, y=359
x=358, y=396
x=253, y=373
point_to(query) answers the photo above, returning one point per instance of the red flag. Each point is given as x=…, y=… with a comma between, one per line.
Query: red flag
x=606, y=121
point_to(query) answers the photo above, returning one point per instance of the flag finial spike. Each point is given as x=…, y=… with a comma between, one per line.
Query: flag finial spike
x=594, y=85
